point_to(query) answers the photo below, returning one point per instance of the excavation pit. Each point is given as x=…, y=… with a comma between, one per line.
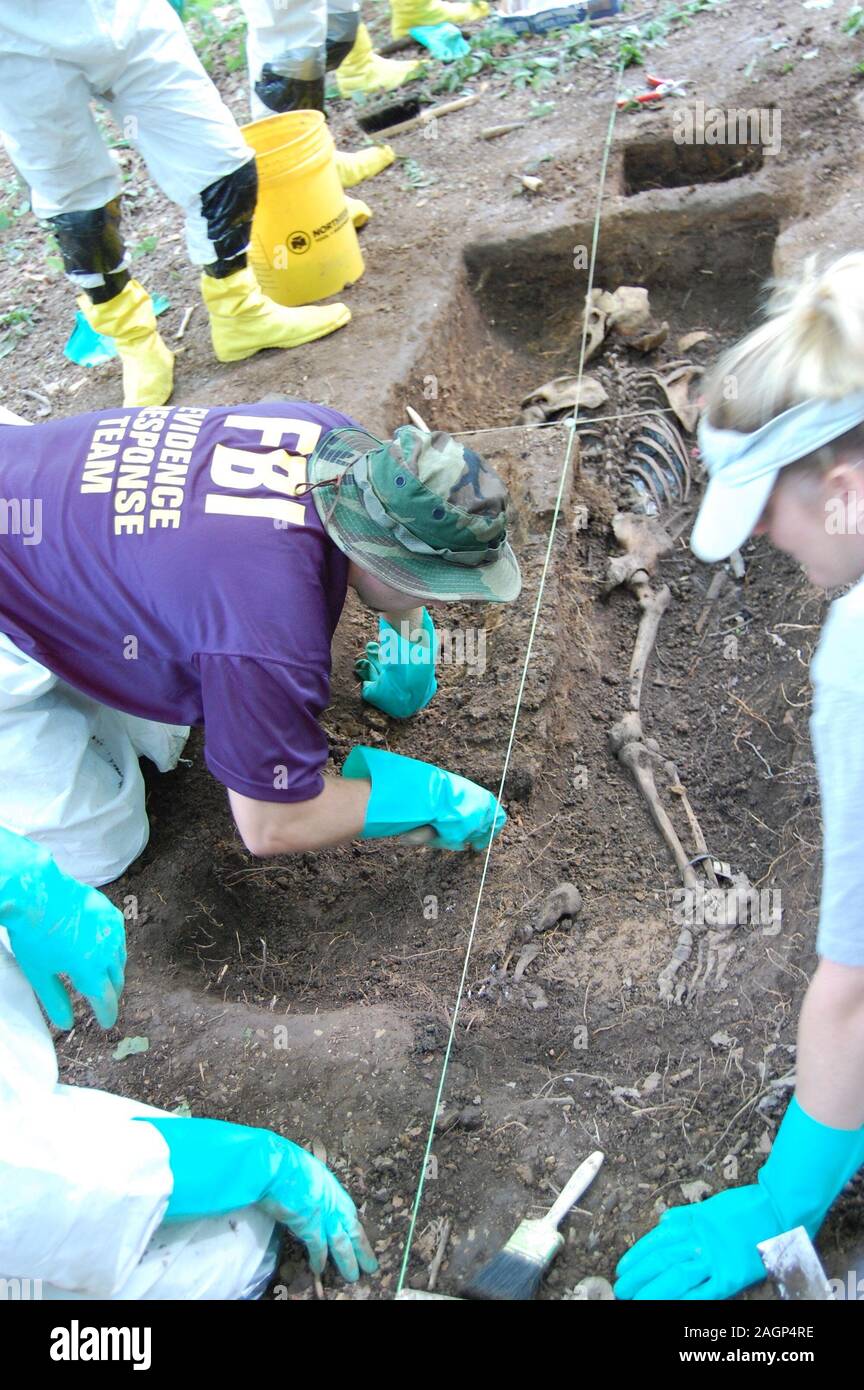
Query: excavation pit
x=649, y=165
x=389, y=113
x=704, y=264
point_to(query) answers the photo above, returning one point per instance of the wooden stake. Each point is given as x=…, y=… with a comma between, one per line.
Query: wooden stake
x=432, y=113
x=492, y=132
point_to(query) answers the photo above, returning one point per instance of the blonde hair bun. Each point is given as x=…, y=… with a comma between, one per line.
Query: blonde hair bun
x=810, y=346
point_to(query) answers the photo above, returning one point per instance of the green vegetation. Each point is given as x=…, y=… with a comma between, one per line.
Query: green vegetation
x=215, y=38
x=14, y=202
x=854, y=21
x=144, y=247
x=526, y=61
x=15, y=324
x=415, y=177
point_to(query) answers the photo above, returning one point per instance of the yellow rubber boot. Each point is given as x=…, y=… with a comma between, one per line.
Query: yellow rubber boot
x=243, y=320
x=405, y=15
x=358, y=211
x=128, y=318
x=364, y=70
x=362, y=164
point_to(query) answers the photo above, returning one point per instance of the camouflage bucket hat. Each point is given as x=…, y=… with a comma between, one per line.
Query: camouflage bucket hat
x=421, y=512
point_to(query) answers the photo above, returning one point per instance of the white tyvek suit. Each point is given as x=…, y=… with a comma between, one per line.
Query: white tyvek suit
x=293, y=38
x=85, y=1186
x=77, y=787
x=56, y=56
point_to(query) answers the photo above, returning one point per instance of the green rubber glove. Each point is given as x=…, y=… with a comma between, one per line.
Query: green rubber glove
x=220, y=1167
x=398, y=676
x=708, y=1250
x=407, y=794
x=58, y=926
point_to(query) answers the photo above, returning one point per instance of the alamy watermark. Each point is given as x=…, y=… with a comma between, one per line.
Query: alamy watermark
x=462, y=646
x=21, y=516
x=844, y=516
x=699, y=124
x=79, y=1342
x=729, y=907
x=849, y=1289
x=20, y=1290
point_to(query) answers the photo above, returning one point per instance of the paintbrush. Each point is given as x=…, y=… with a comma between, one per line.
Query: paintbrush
x=516, y=1271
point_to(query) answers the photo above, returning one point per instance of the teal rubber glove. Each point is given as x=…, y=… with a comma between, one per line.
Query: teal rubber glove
x=58, y=926
x=444, y=41
x=407, y=794
x=708, y=1250
x=219, y=1167
x=398, y=676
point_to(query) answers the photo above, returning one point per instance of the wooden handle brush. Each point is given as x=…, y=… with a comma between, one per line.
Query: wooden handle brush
x=516, y=1271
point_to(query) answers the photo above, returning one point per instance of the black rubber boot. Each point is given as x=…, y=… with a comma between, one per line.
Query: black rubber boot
x=280, y=93
x=93, y=252
x=229, y=206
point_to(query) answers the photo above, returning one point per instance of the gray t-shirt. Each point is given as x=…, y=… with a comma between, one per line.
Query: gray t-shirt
x=837, y=731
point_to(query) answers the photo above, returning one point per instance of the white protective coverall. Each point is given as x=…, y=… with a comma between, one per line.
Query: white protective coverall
x=85, y=1186
x=78, y=788
x=293, y=38
x=56, y=56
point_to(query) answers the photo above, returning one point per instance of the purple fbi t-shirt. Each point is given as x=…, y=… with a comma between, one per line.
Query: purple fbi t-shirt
x=179, y=576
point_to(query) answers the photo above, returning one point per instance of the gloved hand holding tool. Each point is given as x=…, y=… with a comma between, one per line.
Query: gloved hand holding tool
x=219, y=1167
x=398, y=674
x=708, y=1250
x=58, y=926
x=408, y=794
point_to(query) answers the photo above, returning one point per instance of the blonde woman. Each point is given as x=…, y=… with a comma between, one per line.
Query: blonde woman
x=783, y=440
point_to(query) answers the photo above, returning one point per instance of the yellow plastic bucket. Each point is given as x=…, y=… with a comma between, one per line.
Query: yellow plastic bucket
x=304, y=246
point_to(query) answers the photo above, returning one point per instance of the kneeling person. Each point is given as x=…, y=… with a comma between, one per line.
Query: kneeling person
x=107, y=1197
x=191, y=568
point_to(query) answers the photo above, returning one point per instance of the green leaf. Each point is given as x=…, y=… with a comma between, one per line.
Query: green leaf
x=145, y=245
x=127, y=1047
x=21, y=318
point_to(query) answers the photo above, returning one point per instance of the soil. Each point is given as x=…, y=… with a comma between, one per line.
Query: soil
x=315, y=995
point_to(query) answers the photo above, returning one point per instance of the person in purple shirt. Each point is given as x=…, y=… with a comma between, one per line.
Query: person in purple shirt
x=166, y=567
